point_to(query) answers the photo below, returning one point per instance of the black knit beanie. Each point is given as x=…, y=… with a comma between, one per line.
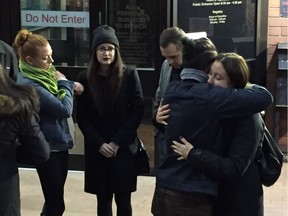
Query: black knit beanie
x=104, y=34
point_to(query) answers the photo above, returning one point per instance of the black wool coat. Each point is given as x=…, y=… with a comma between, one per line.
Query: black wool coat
x=240, y=189
x=118, y=125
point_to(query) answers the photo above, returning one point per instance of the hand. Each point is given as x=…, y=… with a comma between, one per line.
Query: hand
x=115, y=147
x=162, y=113
x=59, y=76
x=107, y=150
x=182, y=148
x=78, y=88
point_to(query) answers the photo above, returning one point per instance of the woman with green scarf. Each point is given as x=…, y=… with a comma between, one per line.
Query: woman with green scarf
x=56, y=106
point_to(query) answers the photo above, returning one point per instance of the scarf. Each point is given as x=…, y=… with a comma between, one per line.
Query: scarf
x=191, y=73
x=45, y=77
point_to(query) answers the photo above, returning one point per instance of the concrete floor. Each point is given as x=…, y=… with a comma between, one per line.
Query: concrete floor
x=79, y=203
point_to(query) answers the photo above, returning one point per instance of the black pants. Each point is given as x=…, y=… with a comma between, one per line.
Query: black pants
x=172, y=203
x=53, y=174
x=122, y=200
x=10, y=197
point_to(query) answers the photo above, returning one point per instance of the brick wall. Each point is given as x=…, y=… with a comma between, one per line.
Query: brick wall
x=276, y=118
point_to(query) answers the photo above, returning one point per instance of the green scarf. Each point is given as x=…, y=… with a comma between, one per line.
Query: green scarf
x=45, y=77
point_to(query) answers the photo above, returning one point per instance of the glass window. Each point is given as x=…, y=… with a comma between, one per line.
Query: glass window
x=135, y=29
x=65, y=23
x=230, y=24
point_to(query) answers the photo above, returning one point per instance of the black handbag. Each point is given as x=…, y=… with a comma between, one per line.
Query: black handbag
x=142, y=158
x=138, y=149
x=270, y=160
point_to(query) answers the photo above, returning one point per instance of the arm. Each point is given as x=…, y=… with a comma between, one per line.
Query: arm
x=78, y=88
x=244, y=141
x=33, y=147
x=85, y=114
x=164, y=80
x=160, y=120
x=54, y=106
x=10, y=62
x=256, y=98
x=14, y=70
x=162, y=114
x=158, y=94
x=235, y=102
x=135, y=109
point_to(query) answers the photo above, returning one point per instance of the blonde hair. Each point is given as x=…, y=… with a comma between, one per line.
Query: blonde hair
x=26, y=43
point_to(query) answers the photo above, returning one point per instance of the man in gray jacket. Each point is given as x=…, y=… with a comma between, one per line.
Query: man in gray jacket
x=171, y=49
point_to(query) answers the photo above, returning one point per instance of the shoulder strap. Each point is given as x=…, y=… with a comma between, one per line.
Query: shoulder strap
x=271, y=144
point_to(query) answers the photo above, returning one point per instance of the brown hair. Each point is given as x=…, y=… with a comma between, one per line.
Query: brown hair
x=25, y=96
x=236, y=68
x=172, y=35
x=104, y=94
x=26, y=43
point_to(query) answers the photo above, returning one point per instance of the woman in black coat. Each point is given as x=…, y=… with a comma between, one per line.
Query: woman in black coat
x=109, y=113
x=20, y=139
x=240, y=188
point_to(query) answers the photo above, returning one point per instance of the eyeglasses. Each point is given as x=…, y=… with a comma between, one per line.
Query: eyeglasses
x=102, y=50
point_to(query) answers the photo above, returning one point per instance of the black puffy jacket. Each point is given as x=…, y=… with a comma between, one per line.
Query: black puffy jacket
x=19, y=136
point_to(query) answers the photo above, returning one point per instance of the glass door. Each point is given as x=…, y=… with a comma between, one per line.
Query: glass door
x=66, y=25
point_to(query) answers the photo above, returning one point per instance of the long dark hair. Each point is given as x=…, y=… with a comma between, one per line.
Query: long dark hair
x=104, y=93
x=25, y=96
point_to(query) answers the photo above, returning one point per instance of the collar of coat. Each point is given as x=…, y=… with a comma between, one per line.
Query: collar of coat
x=191, y=73
x=8, y=105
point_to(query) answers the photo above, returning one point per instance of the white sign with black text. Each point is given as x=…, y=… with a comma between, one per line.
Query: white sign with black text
x=76, y=19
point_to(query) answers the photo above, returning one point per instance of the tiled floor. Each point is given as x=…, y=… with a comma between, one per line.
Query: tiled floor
x=80, y=203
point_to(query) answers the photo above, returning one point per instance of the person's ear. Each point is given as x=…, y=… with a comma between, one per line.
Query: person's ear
x=29, y=60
